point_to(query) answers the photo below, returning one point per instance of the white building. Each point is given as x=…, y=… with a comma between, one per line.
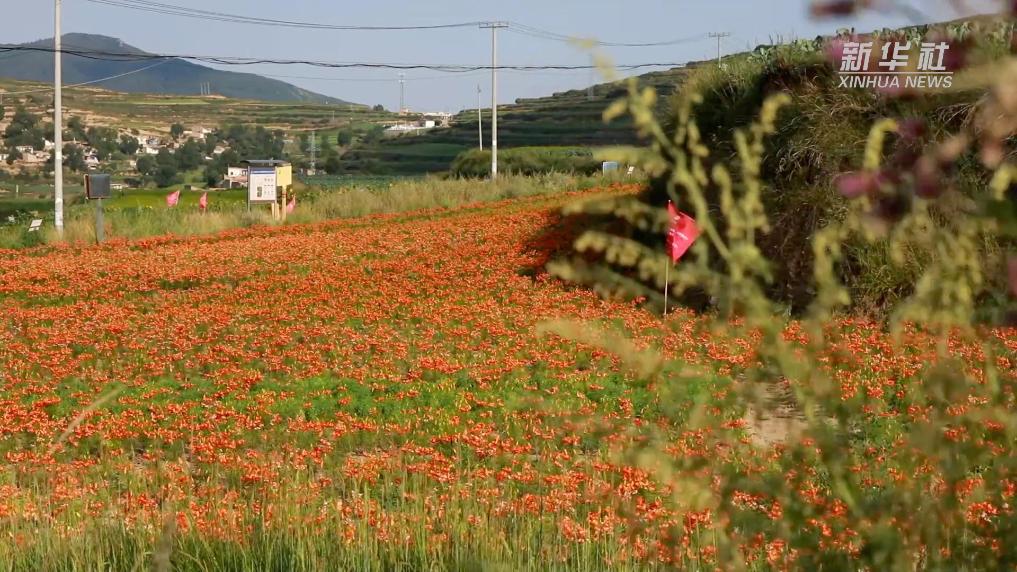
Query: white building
x=236, y=176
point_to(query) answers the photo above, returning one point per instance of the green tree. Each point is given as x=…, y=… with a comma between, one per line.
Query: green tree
x=211, y=142
x=212, y=175
x=176, y=130
x=326, y=147
x=374, y=134
x=333, y=166
x=146, y=165
x=24, y=129
x=256, y=143
x=379, y=107
x=190, y=155
x=75, y=129
x=345, y=137
x=128, y=145
x=103, y=140
x=73, y=159
x=166, y=175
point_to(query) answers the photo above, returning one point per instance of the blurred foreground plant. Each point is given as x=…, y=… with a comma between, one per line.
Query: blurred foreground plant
x=911, y=474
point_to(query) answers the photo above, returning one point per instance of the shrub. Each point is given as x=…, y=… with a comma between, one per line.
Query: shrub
x=870, y=471
x=817, y=136
x=527, y=161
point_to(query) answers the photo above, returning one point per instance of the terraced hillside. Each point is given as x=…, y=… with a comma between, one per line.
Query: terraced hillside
x=571, y=118
x=150, y=113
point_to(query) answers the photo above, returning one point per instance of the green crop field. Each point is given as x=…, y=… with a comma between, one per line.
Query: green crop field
x=188, y=199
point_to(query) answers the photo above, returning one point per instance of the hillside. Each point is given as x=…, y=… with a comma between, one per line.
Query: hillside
x=570, y=118
x=154, y=114
x=174, y=77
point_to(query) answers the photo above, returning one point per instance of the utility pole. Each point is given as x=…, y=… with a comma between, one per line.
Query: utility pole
x=720, y=36
x=58, y=123
x=480, y=118
x=314, y=152
x=402, y=93
x=494, y=26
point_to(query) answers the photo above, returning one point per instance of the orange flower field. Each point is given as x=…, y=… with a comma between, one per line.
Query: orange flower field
x=389, y=393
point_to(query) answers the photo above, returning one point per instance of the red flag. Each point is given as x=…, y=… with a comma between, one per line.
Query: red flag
x=292, y=206
x=172, y=199
x=203, y=202
x=682, y=233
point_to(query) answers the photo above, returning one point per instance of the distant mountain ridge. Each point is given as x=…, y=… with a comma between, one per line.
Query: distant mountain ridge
x=174, y=77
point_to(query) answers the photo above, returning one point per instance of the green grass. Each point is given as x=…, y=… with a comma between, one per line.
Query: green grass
x=151, y=198
x=136, y=214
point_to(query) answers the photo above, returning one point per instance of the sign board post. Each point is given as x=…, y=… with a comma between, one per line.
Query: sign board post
x=261, y=187
x=97, y=188
x=267, y=181
x=100, y=222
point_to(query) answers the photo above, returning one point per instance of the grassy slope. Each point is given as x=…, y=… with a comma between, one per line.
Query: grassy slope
x=569, y=118
x=155, y=113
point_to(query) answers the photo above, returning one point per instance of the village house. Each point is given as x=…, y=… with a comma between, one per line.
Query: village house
x=235, y=177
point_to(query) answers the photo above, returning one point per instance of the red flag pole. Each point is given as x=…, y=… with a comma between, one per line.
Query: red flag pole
x=667, y=281
x=667, y=265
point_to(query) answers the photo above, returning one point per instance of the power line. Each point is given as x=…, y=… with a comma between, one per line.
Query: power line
x=410, y=79
x=546, y=35
x=246, y=61
x=94, y=81
x=174, y=10
x=370, y=79
x=516, y=27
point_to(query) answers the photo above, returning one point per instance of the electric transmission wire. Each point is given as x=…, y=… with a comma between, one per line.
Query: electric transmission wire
x=372, y=79
x=174, y=10
x=532, y=32
x=522, y=29
x=247, y=61
x=483, y=73
x=92, y=82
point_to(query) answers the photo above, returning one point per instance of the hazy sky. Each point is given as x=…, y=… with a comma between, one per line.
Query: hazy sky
x=750, y=22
